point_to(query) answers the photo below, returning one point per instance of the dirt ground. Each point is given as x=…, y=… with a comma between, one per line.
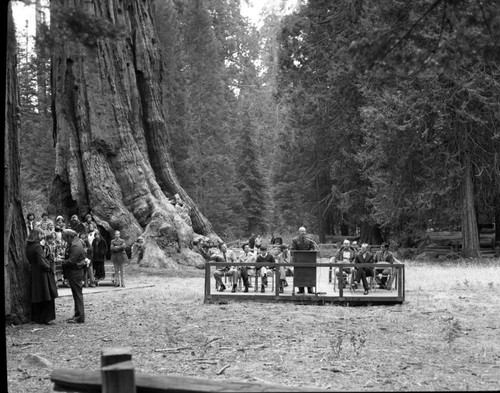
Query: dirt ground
x=446, y=336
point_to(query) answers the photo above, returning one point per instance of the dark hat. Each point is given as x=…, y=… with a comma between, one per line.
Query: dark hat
x=263, y=248
x=283, y=246
x=69, y=232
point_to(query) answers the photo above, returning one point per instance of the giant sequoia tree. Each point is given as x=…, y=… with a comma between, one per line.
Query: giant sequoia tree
x=16, y=270
x=110, y=128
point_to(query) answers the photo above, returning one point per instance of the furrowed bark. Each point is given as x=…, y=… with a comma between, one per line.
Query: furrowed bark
x=111, y=137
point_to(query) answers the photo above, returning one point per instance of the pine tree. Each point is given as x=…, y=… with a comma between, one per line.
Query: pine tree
x=251, y=182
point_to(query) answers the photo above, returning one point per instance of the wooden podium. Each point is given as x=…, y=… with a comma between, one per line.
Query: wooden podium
x=304, y=276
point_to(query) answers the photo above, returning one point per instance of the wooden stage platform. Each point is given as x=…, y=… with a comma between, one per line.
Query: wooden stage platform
x=324, y=291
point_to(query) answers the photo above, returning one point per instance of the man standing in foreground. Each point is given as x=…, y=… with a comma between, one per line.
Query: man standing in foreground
x=74, y=260
x=301, y=242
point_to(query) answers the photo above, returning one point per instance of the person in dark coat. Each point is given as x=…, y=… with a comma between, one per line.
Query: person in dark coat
x=99, y=250
x=88, y=270
x=43, y=284
x=302, y=242
x=74, y=260
x=383, y=255
x=76, y=225
x=364, y=256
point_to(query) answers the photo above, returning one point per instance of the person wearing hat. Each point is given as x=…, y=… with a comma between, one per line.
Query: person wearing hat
x=383, y=255
x=264, y=257
x=73, y=262
x=76, y=225
x=301, y=242
x=345, y=254
x=43, y=286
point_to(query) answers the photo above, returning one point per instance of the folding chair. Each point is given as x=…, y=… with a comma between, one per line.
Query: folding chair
x=390, y=277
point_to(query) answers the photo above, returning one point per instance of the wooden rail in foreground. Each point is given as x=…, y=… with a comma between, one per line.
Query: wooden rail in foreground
x=117, y=376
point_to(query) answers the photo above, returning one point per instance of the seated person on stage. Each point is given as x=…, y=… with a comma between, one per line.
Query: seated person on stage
x=346, y=254
x=364, y=256
x=246, y=257
x=284, y=257
x=355, y=245
x=224, y=255
x=264, y=257
x=301, y=242
x=383, y=255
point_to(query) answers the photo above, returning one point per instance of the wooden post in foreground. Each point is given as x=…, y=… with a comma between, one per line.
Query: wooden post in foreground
x=117, y=371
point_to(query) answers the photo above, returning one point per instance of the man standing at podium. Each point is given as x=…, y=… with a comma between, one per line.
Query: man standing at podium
x=302, y=243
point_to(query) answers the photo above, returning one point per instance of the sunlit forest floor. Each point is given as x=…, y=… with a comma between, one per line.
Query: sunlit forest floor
x=446, y=336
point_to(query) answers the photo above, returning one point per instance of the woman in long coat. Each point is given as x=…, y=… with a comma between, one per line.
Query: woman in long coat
x=99, y=250
x=43, y=284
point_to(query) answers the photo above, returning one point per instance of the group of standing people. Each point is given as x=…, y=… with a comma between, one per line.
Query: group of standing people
x=43, y=283
x=80, y=250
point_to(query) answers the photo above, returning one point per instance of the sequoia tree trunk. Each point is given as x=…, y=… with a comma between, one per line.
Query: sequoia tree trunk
x=16, y=268
x=110, y=132
x=470, y=236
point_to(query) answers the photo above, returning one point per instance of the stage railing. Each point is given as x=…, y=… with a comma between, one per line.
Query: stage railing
x=397, y=268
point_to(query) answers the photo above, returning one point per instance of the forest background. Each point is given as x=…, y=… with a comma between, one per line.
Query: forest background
x=351, y=118
x=378, y=118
